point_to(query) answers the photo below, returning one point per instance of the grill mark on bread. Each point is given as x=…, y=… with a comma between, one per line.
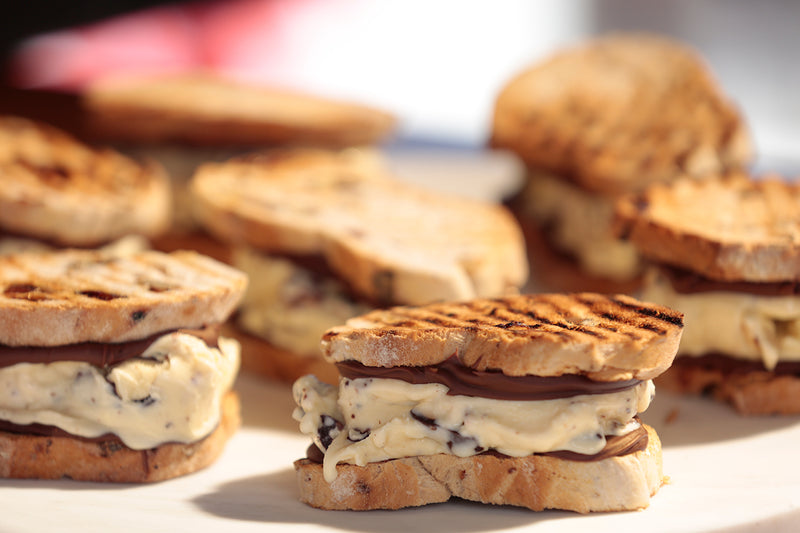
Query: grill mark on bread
x=674, y=319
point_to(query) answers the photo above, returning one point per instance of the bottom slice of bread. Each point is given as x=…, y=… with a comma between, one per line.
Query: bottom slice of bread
x=56, y=457
x=750, y=393
x=537, y=481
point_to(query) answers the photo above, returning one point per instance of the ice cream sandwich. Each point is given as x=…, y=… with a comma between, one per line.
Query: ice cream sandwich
x=726, y=252
x=530, y=401
x=327, y=235
x=112, y=368
x=602, y=119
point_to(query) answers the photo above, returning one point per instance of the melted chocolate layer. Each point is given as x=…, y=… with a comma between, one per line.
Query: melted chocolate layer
x=42, y=430
x=464, y=381
x=687, y=282
x=99, y=354
x=616, y=446
x=727, y=364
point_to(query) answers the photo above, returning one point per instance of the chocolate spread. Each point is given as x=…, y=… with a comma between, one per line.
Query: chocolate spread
x=687, y=282
x=464, y=381
x=616, y=446
x=732, y=365
x=101, y=354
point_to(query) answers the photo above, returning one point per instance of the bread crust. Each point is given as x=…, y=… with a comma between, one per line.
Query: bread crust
x=619, y=112
x=55, y=188
x=537, y=482
x=750, y=393
x=205, y=110
x=390, y=241
x=72, y=296
x=606, y=338
x=40, y=457
x=729, y=228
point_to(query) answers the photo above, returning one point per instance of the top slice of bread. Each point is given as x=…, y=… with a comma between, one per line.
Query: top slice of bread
x=394, y=243
x=55, y=188
x=206, y=110
x=606, y=338
x=72, y=296
x=730, y=228
x=619, y=112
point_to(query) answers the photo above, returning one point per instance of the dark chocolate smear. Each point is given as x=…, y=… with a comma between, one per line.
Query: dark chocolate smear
x=464, y=381
x=732, y=365
x=688, y=282
x=42, y=430
x=100, y=354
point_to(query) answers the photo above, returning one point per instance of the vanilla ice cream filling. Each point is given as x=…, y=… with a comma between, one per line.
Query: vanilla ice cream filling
x=288, y=305
x=580, y=223
x=368, y=420
x=736, y=324
x=172, y=393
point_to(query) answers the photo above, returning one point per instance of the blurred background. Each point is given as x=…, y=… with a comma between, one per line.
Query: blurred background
x=438, y=65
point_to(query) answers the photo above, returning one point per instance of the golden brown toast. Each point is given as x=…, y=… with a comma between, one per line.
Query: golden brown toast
x=391, y=242
x=55, y=188
x=537, y=482
x=607, y=338
x=72, y=296
x=727, y=228
x=619, y=112
x=59, y=457
x=205, y=110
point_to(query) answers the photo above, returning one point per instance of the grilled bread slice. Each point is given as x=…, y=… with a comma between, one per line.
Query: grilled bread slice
x=55, y=188
x=58, y=457
x=606, y=338
x=537, y=482
x=729, y=228
x=206, y=110
x=390, y=241
x=619, y=112
x=73, y=296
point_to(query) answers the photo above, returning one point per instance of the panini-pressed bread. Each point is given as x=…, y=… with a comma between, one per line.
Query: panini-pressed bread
x=431, y=402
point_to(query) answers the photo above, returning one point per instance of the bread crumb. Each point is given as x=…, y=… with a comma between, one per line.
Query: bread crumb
x=672, y=416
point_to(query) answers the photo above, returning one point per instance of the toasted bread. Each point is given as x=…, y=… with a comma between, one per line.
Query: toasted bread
x=537, y=482
x=205, y=110
x=730, y=228
x=55, y=188
x=606, y=338
x=72, y=296
x=57, y=457
x=619, y=112
x=750, y=393
x=390, y=241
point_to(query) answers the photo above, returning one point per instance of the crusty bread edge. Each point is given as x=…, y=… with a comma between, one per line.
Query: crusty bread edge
x=749, y=393
x=41, y=457
x=537, y=482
